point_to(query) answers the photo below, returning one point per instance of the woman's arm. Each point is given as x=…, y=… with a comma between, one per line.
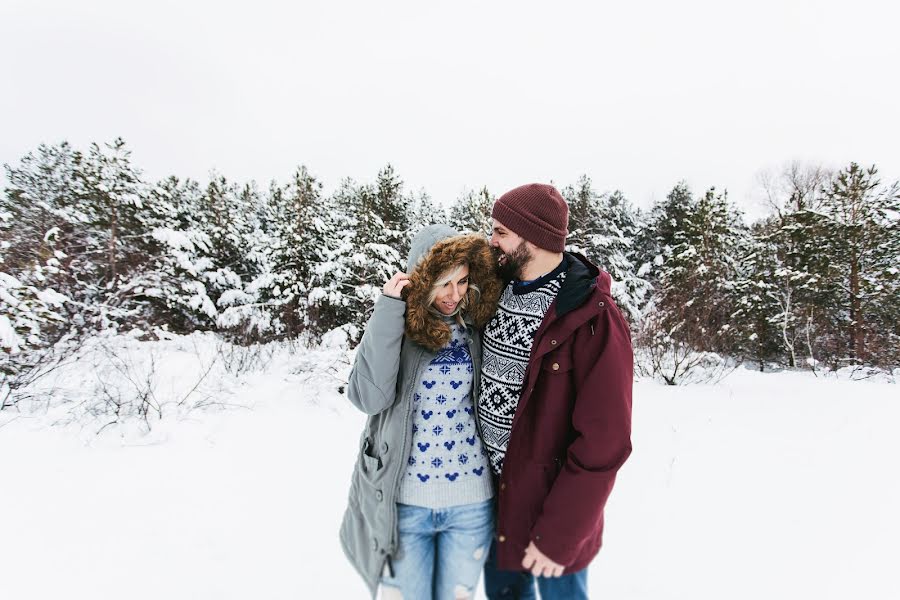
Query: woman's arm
x=373, y=380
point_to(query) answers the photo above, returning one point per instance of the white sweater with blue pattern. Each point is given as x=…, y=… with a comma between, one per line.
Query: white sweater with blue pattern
x=447, y=466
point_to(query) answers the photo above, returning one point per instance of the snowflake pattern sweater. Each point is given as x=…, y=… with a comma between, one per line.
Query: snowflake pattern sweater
x=447, y=464
x=507, y=342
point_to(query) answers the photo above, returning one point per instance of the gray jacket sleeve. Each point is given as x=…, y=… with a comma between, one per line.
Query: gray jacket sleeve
x=373, y=380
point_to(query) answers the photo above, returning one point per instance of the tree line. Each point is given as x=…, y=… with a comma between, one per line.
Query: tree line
x=88, y=245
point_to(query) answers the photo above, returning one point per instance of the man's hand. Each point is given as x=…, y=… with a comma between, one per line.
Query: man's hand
x=395, y=284
x=540, y=565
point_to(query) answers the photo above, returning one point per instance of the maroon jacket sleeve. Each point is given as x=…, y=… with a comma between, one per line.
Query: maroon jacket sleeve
x=573, y=510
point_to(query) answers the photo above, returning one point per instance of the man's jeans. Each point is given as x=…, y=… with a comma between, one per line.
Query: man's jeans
x=441, y=552
x=502, y=585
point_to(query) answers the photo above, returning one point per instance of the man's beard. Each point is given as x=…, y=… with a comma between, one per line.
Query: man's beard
x=515, y=262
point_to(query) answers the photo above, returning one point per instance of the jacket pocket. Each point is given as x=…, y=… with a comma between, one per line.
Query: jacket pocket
x=370, y=464
x=550, y=467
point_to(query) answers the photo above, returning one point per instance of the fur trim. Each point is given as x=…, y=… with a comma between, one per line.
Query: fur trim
x=428, y=329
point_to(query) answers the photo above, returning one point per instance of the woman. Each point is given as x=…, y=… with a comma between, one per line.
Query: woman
x=422, y=487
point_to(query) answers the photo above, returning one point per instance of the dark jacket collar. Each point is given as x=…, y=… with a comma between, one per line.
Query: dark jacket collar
x=581, y=276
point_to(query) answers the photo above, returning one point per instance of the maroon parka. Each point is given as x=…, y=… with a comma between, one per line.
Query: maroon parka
x=572, y=428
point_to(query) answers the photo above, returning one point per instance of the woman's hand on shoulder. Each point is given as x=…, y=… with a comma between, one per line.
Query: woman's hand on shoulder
x=395, y=285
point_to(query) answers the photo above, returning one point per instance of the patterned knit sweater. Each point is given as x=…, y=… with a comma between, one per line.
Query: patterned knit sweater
x=447, y=463
x=508, y=338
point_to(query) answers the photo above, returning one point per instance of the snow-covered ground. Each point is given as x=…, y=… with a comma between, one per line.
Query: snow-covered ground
x=780, y=485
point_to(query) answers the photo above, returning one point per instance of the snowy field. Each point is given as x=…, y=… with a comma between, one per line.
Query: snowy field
x=771, y=486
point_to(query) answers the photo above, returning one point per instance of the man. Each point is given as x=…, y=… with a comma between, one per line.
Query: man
x=555, y=401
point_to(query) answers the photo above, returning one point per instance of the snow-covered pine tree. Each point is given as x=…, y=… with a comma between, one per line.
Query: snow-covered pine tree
x=762, y=322
x=371, y=241
x=40, y=205
x=229, y=215
x=31, y=321
x=583, y=214
x=664, y=228
x=696, y=295
x=621, y=257
x=394, y=209
x=298, y=241
x=472, y=212
x=111, y=195
x=883, y=285
x=224, y=221
x=31, y=316
x=863, y=261
x=424, y=212
x=175, y=280
x=239, y=245
x=796, y=278
x=332, y=296
x=603, y=227
x=44, y=227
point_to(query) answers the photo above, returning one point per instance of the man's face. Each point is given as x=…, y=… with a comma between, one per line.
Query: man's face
x=511, y=251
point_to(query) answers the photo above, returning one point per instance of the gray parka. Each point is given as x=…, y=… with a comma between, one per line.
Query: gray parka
x=382, y=382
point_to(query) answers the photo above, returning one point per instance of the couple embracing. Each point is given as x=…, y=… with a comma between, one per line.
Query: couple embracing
x=497, y=379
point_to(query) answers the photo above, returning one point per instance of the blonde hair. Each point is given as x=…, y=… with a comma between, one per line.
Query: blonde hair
x=472, y=295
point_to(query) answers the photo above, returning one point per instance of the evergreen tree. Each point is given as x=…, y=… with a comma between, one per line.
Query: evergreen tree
x=393, y=209
x=28, y=314
x=584, y=215
x=371, y=228
x=181, y=260
x=229, y=216
x=110, y=189
x=472, y=212
x=621, y=254
x=108, y=267
x=333, y=295
x=862, y=250
x=604, y=228
x=697, y=292
x=762, y=321
x=297, y=243
x=795, y=279
x=664, y=230
x=424, y=212
x=43, y=221
x=240, y=311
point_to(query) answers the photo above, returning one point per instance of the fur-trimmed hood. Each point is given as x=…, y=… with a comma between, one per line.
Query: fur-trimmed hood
x=434, y=250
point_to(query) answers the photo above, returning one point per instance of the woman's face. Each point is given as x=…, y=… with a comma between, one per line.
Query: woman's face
x=449, y=295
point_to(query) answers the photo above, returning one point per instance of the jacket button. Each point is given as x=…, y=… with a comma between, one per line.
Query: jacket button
x=379, y=496
x=374, y=544
x=501, y=539
x=556, y=366
x=384, y=447
x=502, y=486
x=552, y=342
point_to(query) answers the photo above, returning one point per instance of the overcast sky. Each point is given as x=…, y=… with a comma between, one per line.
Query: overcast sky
x=637, y=95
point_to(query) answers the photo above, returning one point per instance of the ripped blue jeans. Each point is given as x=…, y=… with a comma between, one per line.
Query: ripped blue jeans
x=441, y=552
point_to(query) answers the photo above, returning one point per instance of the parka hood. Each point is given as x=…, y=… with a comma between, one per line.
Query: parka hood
x=581, y=276
x=434, y=250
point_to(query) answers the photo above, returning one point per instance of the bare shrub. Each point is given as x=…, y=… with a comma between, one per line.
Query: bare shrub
x=662, y=356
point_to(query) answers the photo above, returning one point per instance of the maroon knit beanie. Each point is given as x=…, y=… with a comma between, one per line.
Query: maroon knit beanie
x=536, y=212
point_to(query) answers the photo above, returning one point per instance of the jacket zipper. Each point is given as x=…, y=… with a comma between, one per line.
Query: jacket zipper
x=404, y=444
